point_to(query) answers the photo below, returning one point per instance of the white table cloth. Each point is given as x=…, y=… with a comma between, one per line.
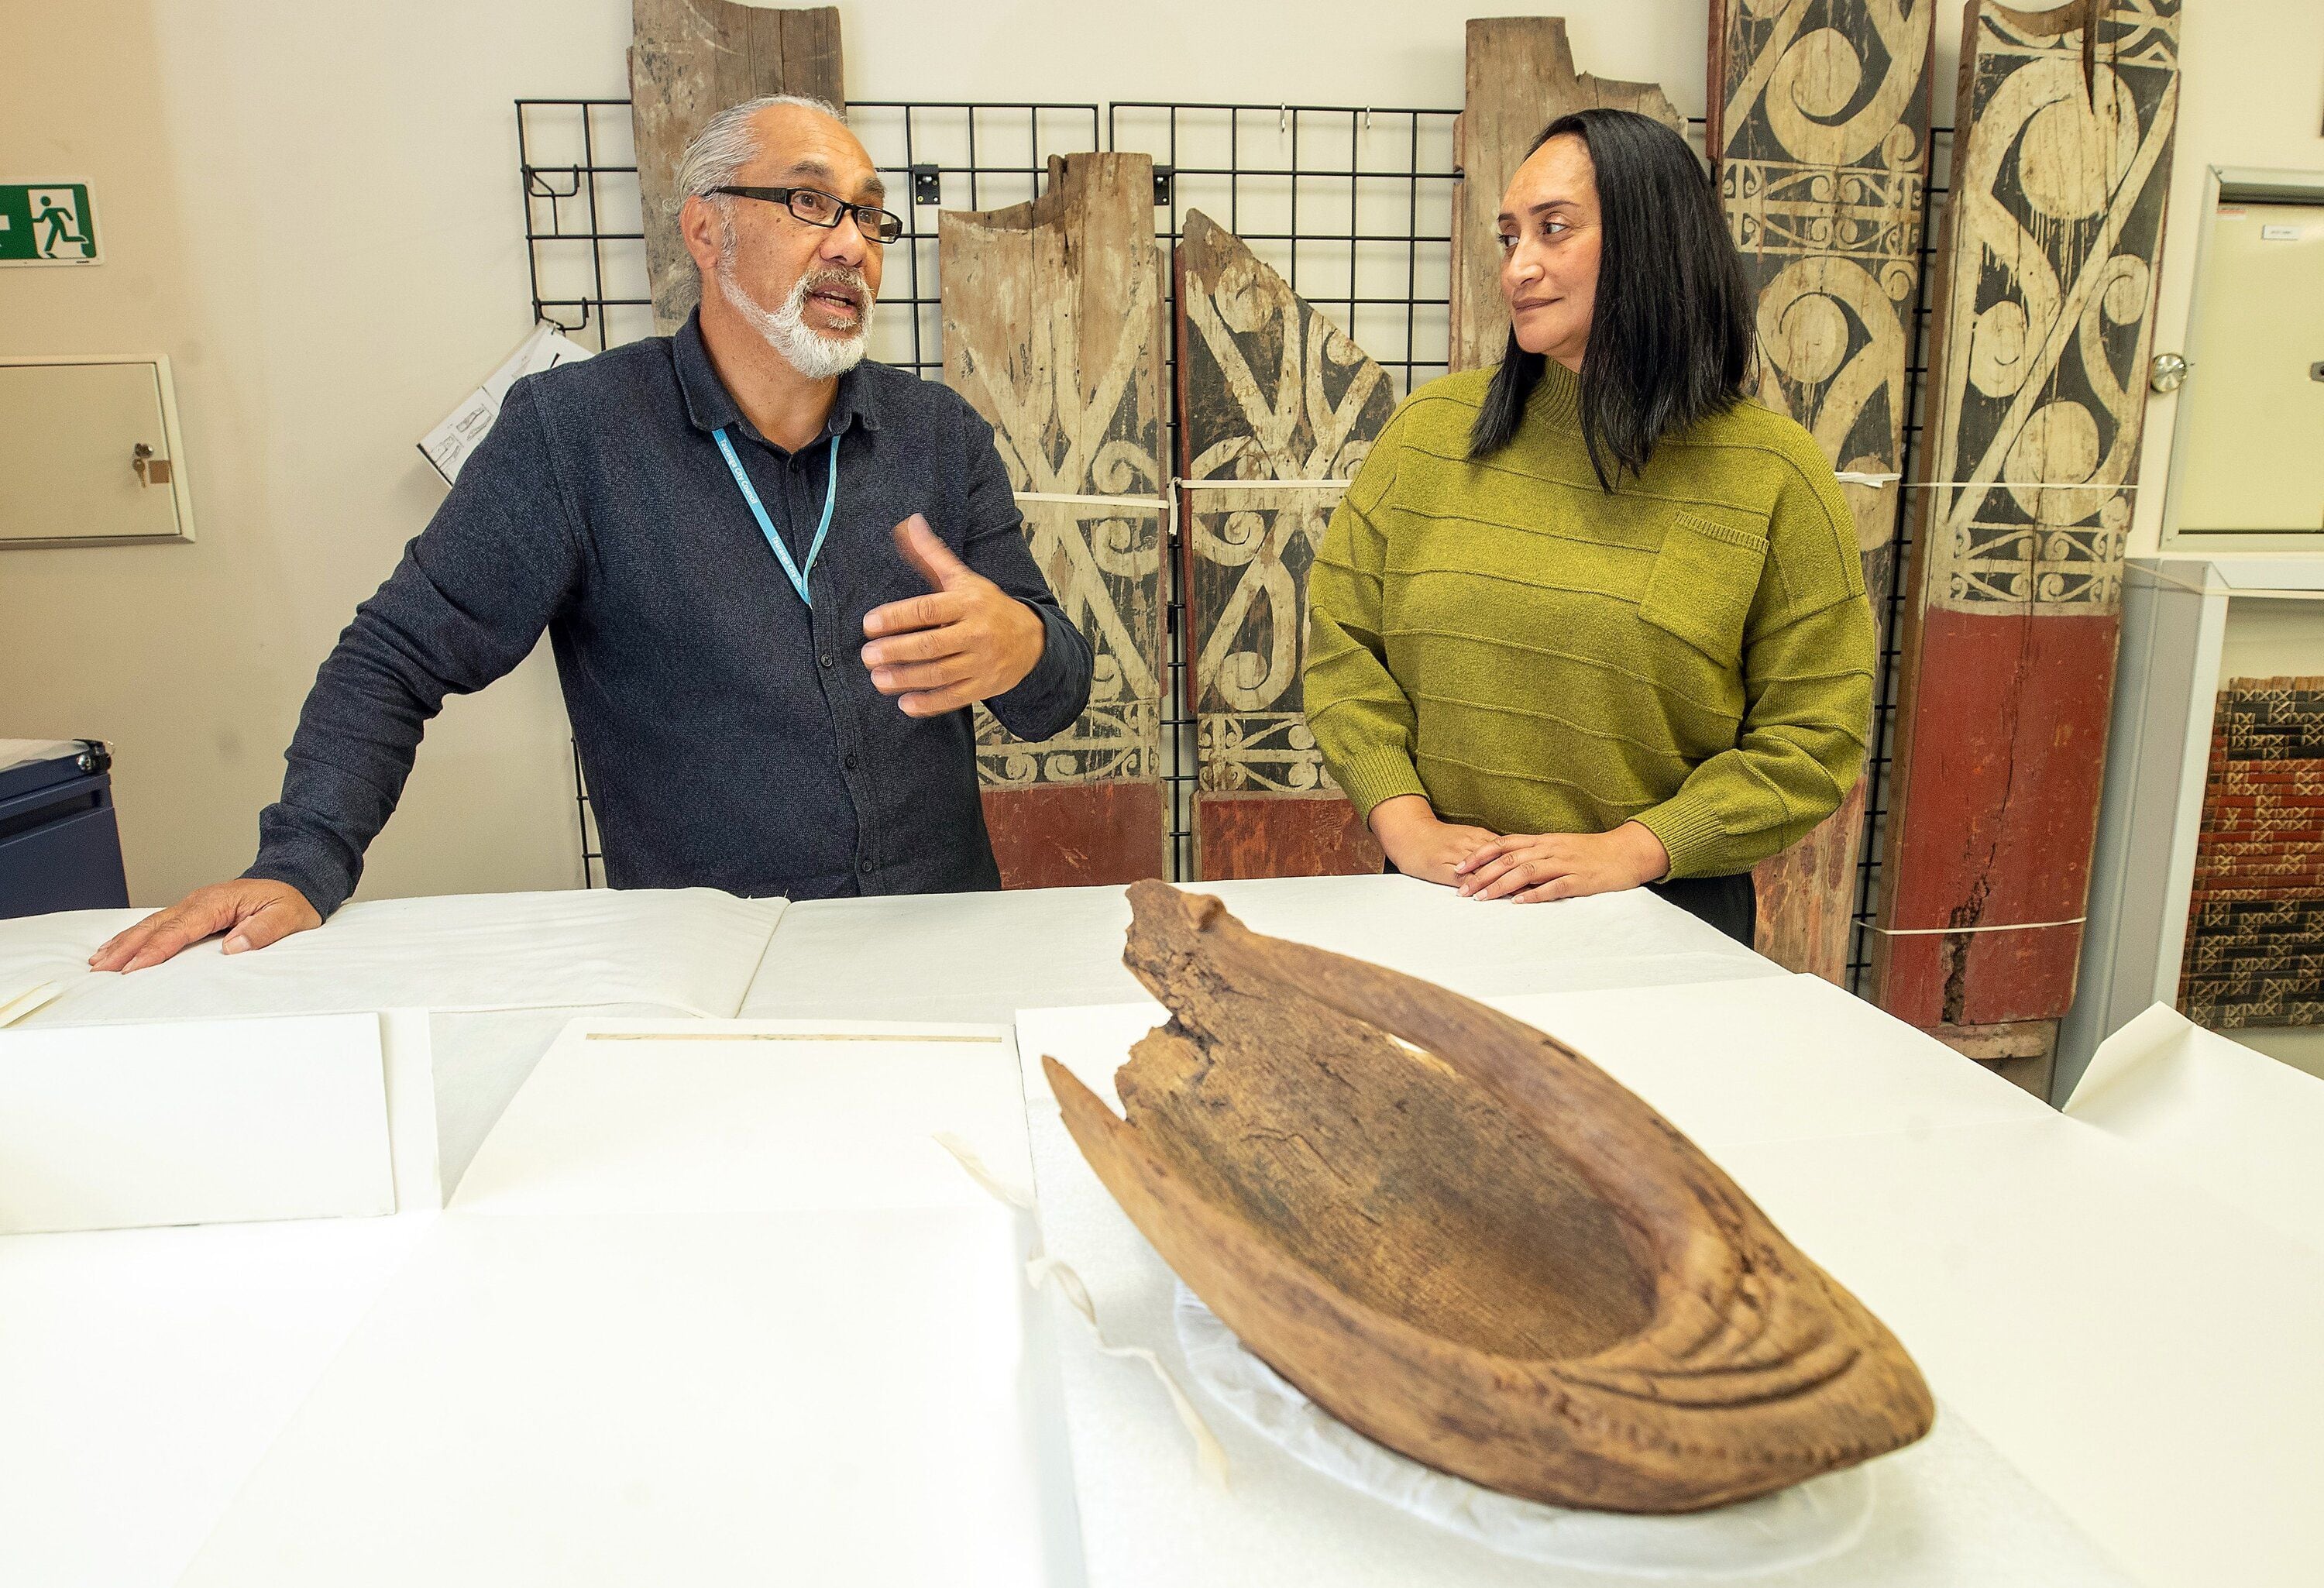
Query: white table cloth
x=2141, y=1351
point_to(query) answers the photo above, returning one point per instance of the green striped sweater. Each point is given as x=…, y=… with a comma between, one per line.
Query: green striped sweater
x=1693, y=652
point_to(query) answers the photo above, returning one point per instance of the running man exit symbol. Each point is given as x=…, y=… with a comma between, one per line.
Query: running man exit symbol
x=46, y=223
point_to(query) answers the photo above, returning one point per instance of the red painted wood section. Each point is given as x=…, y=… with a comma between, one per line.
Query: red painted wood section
x=1076, y=835
x=2009, y=722
x=1281, y=836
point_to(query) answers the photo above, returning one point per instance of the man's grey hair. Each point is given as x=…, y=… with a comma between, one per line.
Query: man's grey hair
x=729, y=141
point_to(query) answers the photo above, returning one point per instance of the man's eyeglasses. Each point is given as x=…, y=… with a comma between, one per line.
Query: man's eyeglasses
x=819, y=209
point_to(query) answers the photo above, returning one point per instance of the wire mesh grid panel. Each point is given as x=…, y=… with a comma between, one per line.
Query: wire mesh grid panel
x=585, y=240
x=1352, y=205
x=583, y=214
x=1888, y=611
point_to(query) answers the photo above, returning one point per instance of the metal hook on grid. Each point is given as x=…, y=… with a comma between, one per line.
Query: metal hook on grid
x=536, y=181
x=540, y=312
x=1368, y=118
x=1282, y=120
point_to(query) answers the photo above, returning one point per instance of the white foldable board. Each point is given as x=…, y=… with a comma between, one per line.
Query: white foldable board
x=543, y=1401
x=214, y=1122
x=728, y=1116
x=713, y=1305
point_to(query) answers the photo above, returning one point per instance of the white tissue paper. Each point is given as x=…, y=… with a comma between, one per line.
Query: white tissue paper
x=1807, y=1522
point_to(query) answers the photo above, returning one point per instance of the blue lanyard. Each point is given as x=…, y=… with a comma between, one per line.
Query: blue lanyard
x=766, y=526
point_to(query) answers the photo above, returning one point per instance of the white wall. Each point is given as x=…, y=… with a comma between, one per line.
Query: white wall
x=312, y=210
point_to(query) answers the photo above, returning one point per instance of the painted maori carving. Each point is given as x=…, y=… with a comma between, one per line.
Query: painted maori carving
x=1520, y=78
x=1274, y=402
x=2037, y=393
x=1819, y=132
x=688, y=60
x=1053, y=332
x=2255, y=951
x=1485, y=1253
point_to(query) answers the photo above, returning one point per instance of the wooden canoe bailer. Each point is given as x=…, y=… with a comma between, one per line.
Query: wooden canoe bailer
x=1519, y=78
x=688, y=60
x=1818, y=138
x=1053, y=332
x=2037, y=394
x=1278, y=409
x=1478, y=1249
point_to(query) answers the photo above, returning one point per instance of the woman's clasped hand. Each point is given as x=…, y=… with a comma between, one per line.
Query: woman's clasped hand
x=1528, y=867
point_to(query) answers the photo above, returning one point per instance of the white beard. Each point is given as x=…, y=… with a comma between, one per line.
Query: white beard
x=817, y=356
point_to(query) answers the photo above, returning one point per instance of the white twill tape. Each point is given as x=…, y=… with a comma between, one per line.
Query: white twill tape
x=1964, y=931
x=1210, y=1455
x=1269, y=484
x=19, y=1005
x=1852, y=478
x=1151, y=503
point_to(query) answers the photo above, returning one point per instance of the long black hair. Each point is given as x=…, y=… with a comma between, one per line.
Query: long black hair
x=1671, y=337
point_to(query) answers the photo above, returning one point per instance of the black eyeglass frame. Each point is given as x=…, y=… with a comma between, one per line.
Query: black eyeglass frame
x=876, y=225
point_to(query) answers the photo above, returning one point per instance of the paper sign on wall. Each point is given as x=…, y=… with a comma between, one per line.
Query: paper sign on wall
x=448, y=445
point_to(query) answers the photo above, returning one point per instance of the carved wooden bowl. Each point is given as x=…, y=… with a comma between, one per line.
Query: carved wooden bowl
x=1472, y=1244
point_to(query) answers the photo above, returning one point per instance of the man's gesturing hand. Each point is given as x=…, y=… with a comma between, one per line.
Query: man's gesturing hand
x=967, y=641
x=260, y=912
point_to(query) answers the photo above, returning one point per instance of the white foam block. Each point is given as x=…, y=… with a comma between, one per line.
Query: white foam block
x=1948, y=1513
x=193, y=1122
x=2215, y=1114
x=733, y=1116
x=2144, y=1353
x=551, y=1402
x=144, y=1372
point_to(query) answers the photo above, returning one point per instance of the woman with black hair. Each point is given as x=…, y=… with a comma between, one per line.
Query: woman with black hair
x=1592, y=619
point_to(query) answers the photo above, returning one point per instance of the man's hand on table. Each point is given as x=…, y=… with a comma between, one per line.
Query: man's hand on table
x=1535, y=867
x=967, y=641
x=1421, y=846
x=258, y=913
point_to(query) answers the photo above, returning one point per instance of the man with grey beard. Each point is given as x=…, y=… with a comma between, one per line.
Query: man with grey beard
x=775, y=577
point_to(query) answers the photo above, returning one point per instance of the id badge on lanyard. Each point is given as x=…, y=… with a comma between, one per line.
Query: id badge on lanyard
x=766, y=525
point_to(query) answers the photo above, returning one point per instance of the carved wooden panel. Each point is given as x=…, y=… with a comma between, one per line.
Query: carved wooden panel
x=688, y=60
x=2036, y=396
x=1818, y=130
x=1520, y=78
x=1053, y=332
x=1275, y=400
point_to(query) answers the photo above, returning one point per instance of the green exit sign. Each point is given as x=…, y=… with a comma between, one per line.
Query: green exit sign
x=47, y=223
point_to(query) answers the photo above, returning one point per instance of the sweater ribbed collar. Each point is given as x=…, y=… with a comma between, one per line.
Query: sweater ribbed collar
x=1557, y=398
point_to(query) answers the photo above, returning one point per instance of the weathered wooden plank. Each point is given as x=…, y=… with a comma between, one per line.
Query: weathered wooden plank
x=1053, y=332
x=1076, y=835
x=1274, y=401
x=688, y=60
x=1818, y=136
x=1466, y=1240
x=1520, y=78
x=2036, y=397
